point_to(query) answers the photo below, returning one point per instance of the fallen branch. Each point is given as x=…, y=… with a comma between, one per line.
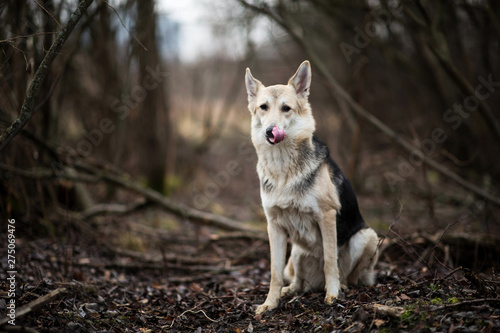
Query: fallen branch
x=468, y=302
x=36, y=304
x=106, y=209
x=41, y=73
x=191, y=214
x=391, y=311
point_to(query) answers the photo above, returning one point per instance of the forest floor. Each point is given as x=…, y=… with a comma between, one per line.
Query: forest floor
x=212, y=283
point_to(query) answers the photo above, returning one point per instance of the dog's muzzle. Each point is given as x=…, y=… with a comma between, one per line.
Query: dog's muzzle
x=274, y=134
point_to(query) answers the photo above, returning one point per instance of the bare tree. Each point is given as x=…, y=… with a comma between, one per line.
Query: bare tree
x=153, y=122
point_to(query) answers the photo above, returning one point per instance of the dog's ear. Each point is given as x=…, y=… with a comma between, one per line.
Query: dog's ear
x=301, y=80
x=252, y=85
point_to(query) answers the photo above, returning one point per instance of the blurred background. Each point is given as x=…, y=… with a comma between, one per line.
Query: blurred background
x=153, y=92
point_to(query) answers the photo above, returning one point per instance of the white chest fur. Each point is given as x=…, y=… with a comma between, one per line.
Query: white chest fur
x=297, y=213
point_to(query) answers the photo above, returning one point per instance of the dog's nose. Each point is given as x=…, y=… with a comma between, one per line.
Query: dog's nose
x=269, y=132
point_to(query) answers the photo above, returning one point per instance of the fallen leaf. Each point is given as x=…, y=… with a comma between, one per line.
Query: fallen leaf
x=404, y=297
x=195, y=288
x=378, y=322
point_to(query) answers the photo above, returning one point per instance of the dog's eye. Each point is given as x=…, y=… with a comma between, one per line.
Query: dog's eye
x=263, y=107
x=285, y=108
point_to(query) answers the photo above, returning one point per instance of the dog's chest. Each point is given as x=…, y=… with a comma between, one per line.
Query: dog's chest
x=283, y=187
x=287, y=197
x=302, y=228
x=298, y=214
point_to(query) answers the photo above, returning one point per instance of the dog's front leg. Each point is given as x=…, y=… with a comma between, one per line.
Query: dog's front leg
x=329, y=234
x=277, y=242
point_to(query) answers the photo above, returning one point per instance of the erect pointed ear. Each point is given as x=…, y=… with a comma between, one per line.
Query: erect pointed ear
x=301, y=80
x=252, y=85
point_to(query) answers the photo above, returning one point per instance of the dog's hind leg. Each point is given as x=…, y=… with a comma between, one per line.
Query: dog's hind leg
x=367, y=276
x=364, y=254
x=289, y=278
x=298, y=271
x=289, y=272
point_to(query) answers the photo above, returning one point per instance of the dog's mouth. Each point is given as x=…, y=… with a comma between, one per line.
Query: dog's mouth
x=275, y=135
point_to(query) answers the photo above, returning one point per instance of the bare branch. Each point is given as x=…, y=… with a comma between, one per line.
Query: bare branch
x=123, y=25
x=437, y=45
x=26, y=36
x=41, y=73
x=48, y=13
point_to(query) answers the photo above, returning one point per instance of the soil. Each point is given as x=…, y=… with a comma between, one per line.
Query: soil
x=212, y=284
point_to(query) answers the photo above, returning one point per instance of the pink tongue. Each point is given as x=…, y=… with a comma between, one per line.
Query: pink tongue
x=279, y=135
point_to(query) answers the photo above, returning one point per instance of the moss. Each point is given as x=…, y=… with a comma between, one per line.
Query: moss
x=412, y=317
x=406, y=315
x=436, y=301
x=452, y=300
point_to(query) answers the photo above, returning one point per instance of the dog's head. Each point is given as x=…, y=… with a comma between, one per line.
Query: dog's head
x=281, y=113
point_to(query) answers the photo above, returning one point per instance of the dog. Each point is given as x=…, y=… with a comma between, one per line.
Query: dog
x=305, y=196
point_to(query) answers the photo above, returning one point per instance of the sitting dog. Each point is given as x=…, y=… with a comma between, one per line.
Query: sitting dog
x=305, y=196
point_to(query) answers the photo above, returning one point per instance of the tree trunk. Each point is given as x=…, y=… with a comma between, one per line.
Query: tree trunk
x=153, y=126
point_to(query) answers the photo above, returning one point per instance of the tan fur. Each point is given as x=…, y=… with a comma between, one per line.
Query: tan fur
x=309, y=217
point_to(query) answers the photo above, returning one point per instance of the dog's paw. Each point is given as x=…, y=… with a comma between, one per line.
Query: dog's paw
x=329, y=299
x=263, y=308
x=290, y=290
x=285, y=290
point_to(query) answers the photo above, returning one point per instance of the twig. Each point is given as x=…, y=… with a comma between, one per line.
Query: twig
x=36, y=304
x=194, y=312
x=408, y=245
x=467, y=302
x=48, y=13
x=41, y=73
x=475, y=281
x=26, y=36
x=450, y=273
x=123, y=24
x=436, y=244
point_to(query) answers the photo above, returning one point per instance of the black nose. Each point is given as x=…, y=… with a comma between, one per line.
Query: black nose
x=269, y=132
